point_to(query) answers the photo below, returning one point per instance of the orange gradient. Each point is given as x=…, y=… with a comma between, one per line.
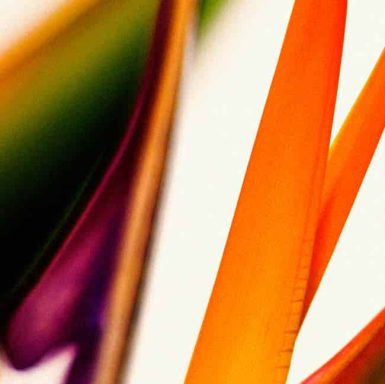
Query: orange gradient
x=255, y=309
x=348, y=162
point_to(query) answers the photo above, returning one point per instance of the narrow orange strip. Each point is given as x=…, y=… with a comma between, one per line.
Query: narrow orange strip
x=146, y=183
x=255, y=309
x=45, y=31
x=349, y=160
x=360, y=361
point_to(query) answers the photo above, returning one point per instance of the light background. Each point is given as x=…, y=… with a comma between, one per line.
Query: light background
x=227, y=77
x=17, y=17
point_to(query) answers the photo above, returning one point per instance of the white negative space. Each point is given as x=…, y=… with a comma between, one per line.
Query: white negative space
x=221, y=106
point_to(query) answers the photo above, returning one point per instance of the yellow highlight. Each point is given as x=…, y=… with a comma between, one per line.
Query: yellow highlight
x=43, y=33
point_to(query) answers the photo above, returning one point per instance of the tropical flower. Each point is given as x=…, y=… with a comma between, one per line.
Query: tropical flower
x=87, y=105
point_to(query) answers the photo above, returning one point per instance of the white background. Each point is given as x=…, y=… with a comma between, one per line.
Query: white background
x=225, y=85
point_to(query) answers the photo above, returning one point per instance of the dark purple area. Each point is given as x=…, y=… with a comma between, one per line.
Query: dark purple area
x=67, y=304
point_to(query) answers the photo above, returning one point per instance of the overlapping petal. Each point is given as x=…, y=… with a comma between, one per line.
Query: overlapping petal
x=61, y=115
x=69, y=303
x=363, y=359
x=348, y=162
x=101, y=191
x=255, y=309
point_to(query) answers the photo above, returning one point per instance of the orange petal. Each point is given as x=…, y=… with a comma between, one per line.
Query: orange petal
x=348, y=162
x=146, y=183
x=254, y=312
x=44, y=32
x=360, y=361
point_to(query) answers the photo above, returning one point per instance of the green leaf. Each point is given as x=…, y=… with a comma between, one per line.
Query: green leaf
x=60, y=113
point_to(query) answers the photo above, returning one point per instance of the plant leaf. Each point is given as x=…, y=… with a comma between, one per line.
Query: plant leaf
x=111, y=236
x=158, y=113
x=362, y=360
x=254, y=312
x=208, y=10
x=348, y=162
x=60, y=112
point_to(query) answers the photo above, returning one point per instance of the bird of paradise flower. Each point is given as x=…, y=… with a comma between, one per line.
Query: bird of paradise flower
x=293, y=205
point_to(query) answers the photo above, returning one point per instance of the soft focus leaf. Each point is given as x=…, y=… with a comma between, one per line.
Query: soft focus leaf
x=208, y=11
x=158, y=111
x=60, y=113
x=68, y=305
x=47, y=30
x=255, y=309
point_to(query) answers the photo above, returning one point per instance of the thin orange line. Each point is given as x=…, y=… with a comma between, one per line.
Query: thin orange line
x=139, y=213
